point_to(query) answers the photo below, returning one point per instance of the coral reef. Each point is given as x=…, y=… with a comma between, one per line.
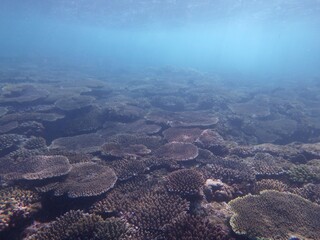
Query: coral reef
x=271, y=184
x=157, y=154
x=74, y=102
x=185, y=182
x=17, y=205
x=156, y=212
x=85, y=143
x=177, y=151
x=188, y=135
x=118, y=150
x=34, y=168
x=194, y=227
x=216, y=190
x=86, y=179
x=79, y=225
x=275, y=215
x=128, y=168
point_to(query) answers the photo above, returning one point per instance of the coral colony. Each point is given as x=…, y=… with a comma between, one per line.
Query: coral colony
x=99, y=160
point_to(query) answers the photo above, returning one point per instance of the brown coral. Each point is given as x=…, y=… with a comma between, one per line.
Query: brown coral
x=156, y=211
x=271, y=184
x=17, y=205
x=183, y=119
x=195, y=228
x=177, y=151
x=85, y=143
x=36, y=167
x=186, y=182
x=275, y=215
x=75, y=225
x=118, y=150
x=188, y=135
x=74, y=102
x=86, y=179
x=128, y=168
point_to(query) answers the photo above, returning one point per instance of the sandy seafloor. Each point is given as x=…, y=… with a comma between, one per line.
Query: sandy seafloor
x=157, y=154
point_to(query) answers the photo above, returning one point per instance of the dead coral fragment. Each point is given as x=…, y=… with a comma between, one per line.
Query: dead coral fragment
x=275, y=215
x=185, y=182
x=87, y=179
x=16, y=205
x=33, y=168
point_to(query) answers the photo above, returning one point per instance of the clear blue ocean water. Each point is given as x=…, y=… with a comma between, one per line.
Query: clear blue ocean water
x=250, y=40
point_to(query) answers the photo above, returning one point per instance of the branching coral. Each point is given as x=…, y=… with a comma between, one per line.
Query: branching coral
x=75, y=225
x=195, y=228
x=186, y=182
x=16, y=205
x=156, y=211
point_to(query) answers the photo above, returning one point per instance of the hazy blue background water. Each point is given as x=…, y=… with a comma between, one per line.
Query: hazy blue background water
x=249, y=39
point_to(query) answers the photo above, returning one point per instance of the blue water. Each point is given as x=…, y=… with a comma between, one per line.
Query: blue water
x=249, y=40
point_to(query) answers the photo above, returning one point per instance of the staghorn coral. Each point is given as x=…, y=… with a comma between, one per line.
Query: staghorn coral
x=230, y=170
x=124, y=196
x=124, y=112
x=9, y=141
x=177, y=151
x=74, y=157
x=35, y=143
x=310, y=150
x=185, y=182
x=309, y=191
x=303, y=173
x=85, y=143
x=128, y=168
x=213, y=141
x=195, y=228
x=271, y=184
x=75, y=225
x=31, y=128
x=17, y=205
x=86, y=179
x=34, y=168
x=84, y=121
x=187, y=135
x=275, y=215
x=156, y=211
x=265, y=164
